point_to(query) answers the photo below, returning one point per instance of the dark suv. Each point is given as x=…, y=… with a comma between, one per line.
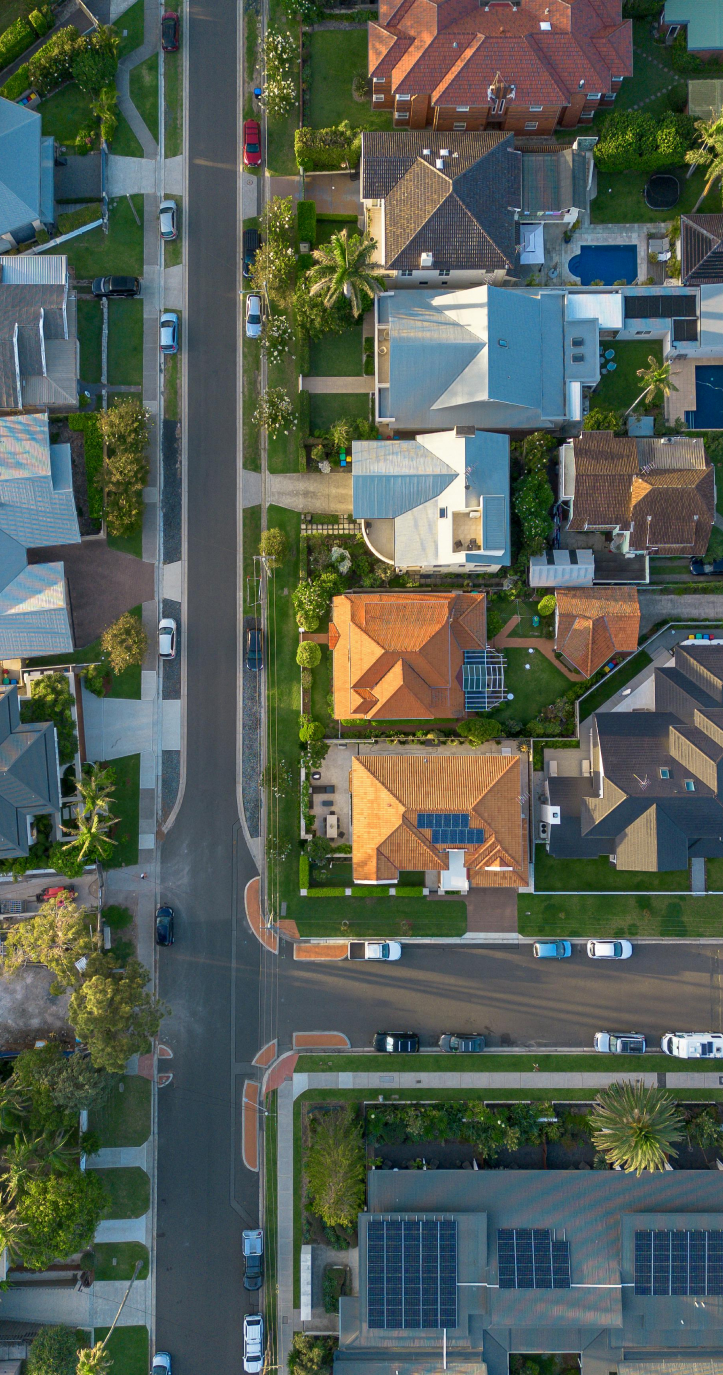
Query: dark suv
x=117, y=286
x=254, y=649
x=252, y=244
x=396, y=1042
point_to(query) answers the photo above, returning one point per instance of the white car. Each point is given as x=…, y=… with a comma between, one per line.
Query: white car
x=167, y=638
x=609, y=950
x=167, y=220
x=254, y=318
x=375, y=950
x=253, y=1344
x=693, y=1045
x=161, y=1363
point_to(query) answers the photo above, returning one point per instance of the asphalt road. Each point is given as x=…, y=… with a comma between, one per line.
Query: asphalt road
x=505, y=994
x=205, y=1197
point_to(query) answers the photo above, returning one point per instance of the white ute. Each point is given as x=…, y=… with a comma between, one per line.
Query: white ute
x=693, y=1045
x=374, y=950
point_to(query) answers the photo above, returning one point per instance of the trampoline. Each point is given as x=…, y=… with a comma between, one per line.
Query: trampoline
x=662, y=191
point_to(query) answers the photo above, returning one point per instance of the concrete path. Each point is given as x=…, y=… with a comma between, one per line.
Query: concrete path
x=252, y=489
x=348, y=385
x=316, y=492
x=128, y=176
x=173, y=176
x=504, y=640
x=122, y=1229
x=173, y=287
x=662, y=606
x=118, y=1157
x=125, y=67
x=116, y=726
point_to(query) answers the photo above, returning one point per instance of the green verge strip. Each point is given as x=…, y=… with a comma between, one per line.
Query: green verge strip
x=271, y=1219
x=129, y=1191
x=298, y=1203
x=583, y=915
x=489, y=1063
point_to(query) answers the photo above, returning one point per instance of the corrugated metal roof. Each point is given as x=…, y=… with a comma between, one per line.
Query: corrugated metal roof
x=494, y=521
x=704, y=19
x=42, y=269
x=20, y=146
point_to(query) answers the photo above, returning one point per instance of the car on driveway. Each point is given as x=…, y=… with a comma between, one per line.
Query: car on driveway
x=60, y=891
x=110, y=287
x=252, y=1245
x=254, y=317
x=164, y=926
x=461, y=1043
x=161, y=1363
x=170, y=27
x=619, y=1042
x=552, y=950
x=255, y=649
x=167, y=220
x=396, y=1042
x=252, y=143
x=710, y=569
x=169, y=332
x=253, y=1344
x=609, y=950
x=167, y=638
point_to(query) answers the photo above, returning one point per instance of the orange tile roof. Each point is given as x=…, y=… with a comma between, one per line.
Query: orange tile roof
x=595, y=622
x=399, y=655
x=390, y=790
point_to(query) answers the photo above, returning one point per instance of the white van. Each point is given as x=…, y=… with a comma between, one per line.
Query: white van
x=693, y=1045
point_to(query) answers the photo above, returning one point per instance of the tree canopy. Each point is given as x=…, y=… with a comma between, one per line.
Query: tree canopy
x=115, y=1015
x=335, y=1167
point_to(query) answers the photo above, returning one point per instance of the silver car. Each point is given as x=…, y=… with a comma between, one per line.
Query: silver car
x=254, y=317
x=609, y=950
x=253, y=1344
x=167, y=638
x=167, y=220
x=619, y=1042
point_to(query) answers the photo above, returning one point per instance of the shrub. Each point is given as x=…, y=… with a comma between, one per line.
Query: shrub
x=326, y=150
x=94, y=68
x=533, y=499
x=312, y=597
x=54, y=1352
x=274, y=547
x=125, y=642
x=318, y=851
x=15, y=40
x=306, y=222
x=311, y=1355
x=546, y=605
x=50, y=700
x=633, y=140
x=307, y=677
x=598, y=419
x=41, y=20
x=304, y=870
x=309, y=729
x=97, y=679
x=93, y=448
x=308, y=655
x=52, y=65
x=17, y=85
x=64, y=860
x=480, y=729
x=335, y=1169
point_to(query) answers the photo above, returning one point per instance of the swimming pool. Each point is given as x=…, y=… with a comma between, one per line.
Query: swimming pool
x=606, y=263
x=708, y=413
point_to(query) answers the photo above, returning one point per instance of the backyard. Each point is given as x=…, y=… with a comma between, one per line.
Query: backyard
x=534, y=682
x=619, y=389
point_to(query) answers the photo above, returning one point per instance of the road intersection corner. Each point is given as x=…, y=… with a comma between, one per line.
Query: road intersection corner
x=280, y=1072
x=254, y=917
x=266, y=1055
x=321, y=1040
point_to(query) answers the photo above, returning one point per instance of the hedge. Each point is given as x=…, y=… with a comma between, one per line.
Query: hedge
x=634, y=141
x=16, y=85
x=93, y=446
x=326, y=149
x=306, y=222
x=15, y=40
x=41, y=20
x=410, y=892
x=304, y=870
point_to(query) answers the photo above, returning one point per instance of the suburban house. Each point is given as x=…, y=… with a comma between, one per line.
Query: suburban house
x=702, y=21
x=37, y=508
x=27, y=161
x=421, y=655
x=652, y=496
x=39, y=350
x=457, y=64
x=701, y=249
x=440, y=501
x=652, y=796
x=593, y=624
x=447, y=206
x=489, y=358
x=457, y=1269
x=457, y=817
x=29, y=776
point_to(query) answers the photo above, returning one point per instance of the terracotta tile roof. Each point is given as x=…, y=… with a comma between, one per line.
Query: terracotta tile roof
x=398, y=655
x=592, y=623
x=701, y=252
x=389, y=791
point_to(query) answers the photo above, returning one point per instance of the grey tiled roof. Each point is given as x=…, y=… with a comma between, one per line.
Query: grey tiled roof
x=28, y=774
x=9, y=396
x=20, y=166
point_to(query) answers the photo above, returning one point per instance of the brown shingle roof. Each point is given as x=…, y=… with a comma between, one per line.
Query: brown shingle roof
x=389, y=792
x=594, y=622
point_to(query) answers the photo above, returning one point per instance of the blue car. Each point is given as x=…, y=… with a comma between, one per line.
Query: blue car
x=552, y=950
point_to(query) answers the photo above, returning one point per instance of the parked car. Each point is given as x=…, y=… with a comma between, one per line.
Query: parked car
x=169, y=332
x=252, y=1243
x=552, y=950
x=609, y=950
x=116, y=286
x=164, y=926
x=619, y=1042
x=170, y=27
x=252, y=244
x=254, y=649
x=253, y=1344
x=700, y=569
x=161, y=1363
x=692, y=1045
x=461, y=1043
x=167, y=219
x=396, y=1042
x=55, y=892
x=252, y=143
x=374, y=950
x=254, y=317
x=167, y=638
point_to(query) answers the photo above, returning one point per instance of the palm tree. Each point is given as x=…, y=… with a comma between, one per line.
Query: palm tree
x=105, y=109
x=96, y=788
x=345, y=267
x=635, y=1127
x=657, y=380
x=710, y=153
x=90, y=840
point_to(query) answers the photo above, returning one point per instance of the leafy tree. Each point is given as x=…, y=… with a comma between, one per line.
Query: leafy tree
x=312, y=316
x=308, y=655
x=50, y=700
x=310, y=729
x=657, y=382
x=345, y=267
x=61, y=1213
x=64, y=860
x=125, y=642
x=318, y=851
x=705, y=1131
x=634, y=140
x=94, y=68
x=546, y=605
x=533, y=499
x=274, y=547
x=636, y=1127
x=312, y=597
x=273, y=271
x=309, y=1355
x=275, y=411
x=54, y=1351
x=115, y=1016
x=71, y=1082
x=536, y=450
x=277, y=337
x=335, y=1169
x=57, y=936
x=52, y=65
x=479, y=729
x=124, y=428
x=600, y=419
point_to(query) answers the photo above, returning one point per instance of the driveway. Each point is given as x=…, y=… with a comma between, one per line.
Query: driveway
x=320, y=493
x=103, y=583
x=664, y=606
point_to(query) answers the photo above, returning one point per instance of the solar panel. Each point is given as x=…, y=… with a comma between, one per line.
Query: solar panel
x=412, y=1273
x=450, y=828
x=679, y=1262
x=531, y=1258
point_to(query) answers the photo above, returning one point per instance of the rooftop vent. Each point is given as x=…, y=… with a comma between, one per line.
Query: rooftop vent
x=439, y=164
x=444, y=152
x=426, y=260
x=427, y=152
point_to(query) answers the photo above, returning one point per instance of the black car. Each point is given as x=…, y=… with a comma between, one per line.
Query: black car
x=396, y=1042
x=702, y=569
x=255, y=649
x=116, y=286
x=164, y=926
x=252, y=244
x=169, y=31
x=253, y=1252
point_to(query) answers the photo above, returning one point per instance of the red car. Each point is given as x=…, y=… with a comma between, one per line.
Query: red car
x=252, y=143
x=54, y=893
x=169, y=31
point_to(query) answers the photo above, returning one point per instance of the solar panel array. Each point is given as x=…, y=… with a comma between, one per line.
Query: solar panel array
x=412, y=1273
x=531, y=1258
x=450, y=828
x=676, y=1262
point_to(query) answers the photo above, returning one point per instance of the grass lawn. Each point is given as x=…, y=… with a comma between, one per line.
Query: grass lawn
x=620, y=198
x=336, y=56
x=126, y=806
x=126, y=1254
x=10, y=10
x=619, y=389
x=251, y=375
x=321, y=687
x=130, y=29
x=636, y=915
x=283, y=691
x=327, y=228
x=280, y=132
x=533, y=688
x=125, y=144
x=90, y=333
x=119, y=251
x=125, y=343
x=251, y=537
x=270, y=1213
x=144, y=92
x=370, y=917
x=125, y=684
x=173, y=99
x=65, y=112
x=337, y=355
x=714, y=875
x=487, y=1061
x=173, y=248
x=331, y=406
x=129, y=1191
x=599, y=875
x=125, y=1118
x=128, y=544
x=127, y=1348
x=613, y=683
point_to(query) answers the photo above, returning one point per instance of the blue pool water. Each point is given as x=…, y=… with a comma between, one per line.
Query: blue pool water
x=708, y=414
x=607, y=263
